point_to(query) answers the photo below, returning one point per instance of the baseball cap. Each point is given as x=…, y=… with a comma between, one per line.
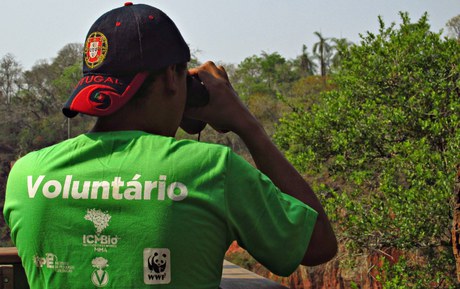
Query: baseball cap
x=121, y=48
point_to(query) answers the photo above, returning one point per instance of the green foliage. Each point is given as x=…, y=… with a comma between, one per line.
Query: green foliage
x=305, y=63
x=342, y=48
x=265, y=74
x=415, y=273
x=35, y=115
x=385, y=142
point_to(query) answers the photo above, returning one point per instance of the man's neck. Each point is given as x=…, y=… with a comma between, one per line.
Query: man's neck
x=112, y=123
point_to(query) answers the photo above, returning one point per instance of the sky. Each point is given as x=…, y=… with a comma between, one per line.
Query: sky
x=222, y=31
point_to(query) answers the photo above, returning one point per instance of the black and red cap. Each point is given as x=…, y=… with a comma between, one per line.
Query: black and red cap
x=121, y=48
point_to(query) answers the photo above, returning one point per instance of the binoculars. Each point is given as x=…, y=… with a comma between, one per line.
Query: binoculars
x=197, y=96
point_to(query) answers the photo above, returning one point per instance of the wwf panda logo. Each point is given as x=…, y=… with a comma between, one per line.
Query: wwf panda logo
x=157, y=266
x=157, y=263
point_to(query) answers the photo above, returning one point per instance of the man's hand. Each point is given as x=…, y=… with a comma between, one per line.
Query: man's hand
x=225, y=111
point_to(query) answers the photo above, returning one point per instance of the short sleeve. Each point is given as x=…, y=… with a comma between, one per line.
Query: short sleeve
x=273, y=227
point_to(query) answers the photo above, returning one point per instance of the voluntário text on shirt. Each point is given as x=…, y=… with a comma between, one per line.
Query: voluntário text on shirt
x=116, y=188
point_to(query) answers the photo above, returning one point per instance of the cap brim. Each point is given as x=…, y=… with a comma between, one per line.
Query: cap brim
x=101, y=95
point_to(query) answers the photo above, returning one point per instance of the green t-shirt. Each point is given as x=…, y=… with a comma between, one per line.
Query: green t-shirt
x=132, y=210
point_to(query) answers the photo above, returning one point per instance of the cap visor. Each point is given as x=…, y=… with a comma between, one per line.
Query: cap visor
x=100, y=95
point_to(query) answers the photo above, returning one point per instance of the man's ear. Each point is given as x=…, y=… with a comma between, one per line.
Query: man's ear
x=171, y=80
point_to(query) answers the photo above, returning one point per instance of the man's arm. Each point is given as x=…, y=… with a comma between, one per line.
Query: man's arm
x=226, y=112
x=270, y=161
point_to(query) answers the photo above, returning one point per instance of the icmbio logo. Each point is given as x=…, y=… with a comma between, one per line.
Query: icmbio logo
x=99, y=241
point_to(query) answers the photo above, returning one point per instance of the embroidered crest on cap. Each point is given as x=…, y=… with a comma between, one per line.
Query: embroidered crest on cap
x=96, y=48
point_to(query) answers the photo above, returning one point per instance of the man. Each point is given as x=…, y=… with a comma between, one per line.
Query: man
x=129, y=206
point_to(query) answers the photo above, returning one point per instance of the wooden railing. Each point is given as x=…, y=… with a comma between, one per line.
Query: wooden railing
x=12, y=274
x=235, y=277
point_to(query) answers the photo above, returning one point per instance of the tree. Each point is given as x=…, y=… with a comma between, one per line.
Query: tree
x=305, y=63
x=341, y=47
x=10, y=77
x=322, y=50
x=50, y=83
x=34, y=116
x=68, y=55
x=259, y=80
x=454, y=27
x=268, y=73
x=384, y=148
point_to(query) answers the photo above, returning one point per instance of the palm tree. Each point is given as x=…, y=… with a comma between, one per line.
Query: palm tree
x=306, y=64
x=341, y=47
x=322, y=50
